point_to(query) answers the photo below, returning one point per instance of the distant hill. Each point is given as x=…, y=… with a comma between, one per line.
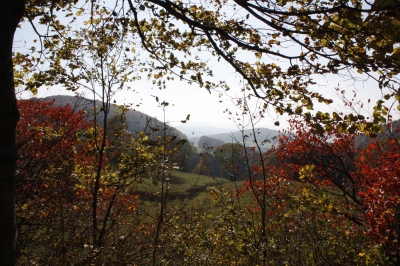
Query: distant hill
x=261, y=135
x=196, y=129
x=363, y=140
x=137, y=121
x=194, y=140
x=266, y=133
x=209, y=143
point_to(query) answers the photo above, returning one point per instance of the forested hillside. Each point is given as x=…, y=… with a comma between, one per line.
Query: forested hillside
x=237, y=136
x=136, y=120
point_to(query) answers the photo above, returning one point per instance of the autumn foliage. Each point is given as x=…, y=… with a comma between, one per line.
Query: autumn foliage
x=51, y=144
x=380, y=191
x=364, y=181
x=48, y=137
x=319, y=201
x=55, y=189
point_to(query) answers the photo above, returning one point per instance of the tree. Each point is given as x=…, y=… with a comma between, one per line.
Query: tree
x=230, y=159
x=185, y=155
x=51, y=146
x=333, y=156
x=203, y=167
x=117, y=135
x=56, y=180
x=366, y=179
x=379, y=191
x=11, y=13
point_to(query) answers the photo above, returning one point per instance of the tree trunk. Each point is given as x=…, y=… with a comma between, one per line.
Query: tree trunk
x=11, y=11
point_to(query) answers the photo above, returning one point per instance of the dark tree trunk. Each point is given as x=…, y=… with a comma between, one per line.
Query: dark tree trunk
x=11, y=12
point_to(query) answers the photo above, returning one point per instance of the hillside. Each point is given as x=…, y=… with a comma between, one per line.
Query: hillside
x=363, y=140
x=137, y=121
x=261, y=134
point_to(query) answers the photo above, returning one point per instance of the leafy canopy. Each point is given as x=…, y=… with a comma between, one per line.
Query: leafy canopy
x=278, y=47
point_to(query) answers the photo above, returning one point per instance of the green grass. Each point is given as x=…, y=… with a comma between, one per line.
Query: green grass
x=181, y=186
x=186, y=190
